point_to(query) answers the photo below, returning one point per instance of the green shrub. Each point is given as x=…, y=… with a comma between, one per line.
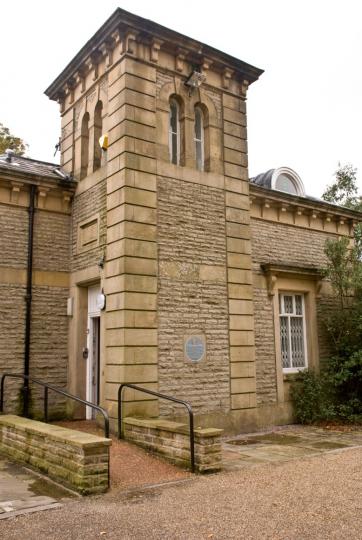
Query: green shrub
x=311, y=398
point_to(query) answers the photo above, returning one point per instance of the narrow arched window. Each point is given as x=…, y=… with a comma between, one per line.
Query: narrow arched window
x=174, y=132
x=84, y=146
x=97, y=156
x=199, y=138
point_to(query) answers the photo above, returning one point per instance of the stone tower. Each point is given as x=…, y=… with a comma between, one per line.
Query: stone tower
x=161, y=219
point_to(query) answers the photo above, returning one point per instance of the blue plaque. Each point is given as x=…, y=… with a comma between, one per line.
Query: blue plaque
x=195, y=348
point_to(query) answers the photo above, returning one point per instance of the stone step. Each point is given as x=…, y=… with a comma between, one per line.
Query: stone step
x=18, y=507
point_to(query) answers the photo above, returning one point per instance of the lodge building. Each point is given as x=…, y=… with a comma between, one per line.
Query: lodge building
x=155, y=259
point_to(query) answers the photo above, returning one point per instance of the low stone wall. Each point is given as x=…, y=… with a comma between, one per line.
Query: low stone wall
x=172, y=440
x=77, y=460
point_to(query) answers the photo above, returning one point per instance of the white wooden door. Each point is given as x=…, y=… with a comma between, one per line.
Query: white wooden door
x=93, y=346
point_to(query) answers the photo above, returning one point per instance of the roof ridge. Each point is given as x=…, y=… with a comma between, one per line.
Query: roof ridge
x=17, y=156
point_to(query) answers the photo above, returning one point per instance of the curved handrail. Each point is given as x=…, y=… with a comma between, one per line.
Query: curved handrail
x=48, y=387
x=168, y=398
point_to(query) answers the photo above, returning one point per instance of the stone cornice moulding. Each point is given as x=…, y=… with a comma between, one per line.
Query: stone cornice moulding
x=267, y=198
x=275, y=271
x=128, y=29
x=12, y=189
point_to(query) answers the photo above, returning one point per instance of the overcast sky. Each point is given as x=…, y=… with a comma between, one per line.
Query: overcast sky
x=305, y=111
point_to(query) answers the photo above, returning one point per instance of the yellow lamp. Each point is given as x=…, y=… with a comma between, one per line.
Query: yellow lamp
x=103, y=141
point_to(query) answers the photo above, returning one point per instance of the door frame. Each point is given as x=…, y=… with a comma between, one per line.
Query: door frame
x=92, y=327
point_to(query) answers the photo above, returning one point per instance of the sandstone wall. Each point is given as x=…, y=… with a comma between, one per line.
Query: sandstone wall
x=77, y=460
x=192, y=295
x=172, y=441
x=49, y=327
x=280, y=243
x=88, y=204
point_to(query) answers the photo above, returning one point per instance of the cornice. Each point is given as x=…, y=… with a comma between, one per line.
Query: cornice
x=51, y=196
x=279, y=199
x=125, y=30
x=10, y=176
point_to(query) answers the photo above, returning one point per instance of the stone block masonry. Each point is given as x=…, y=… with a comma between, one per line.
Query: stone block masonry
x=238, y=244
x=91, y=204
x=290, y=245
x=131, y=262
x=77, y=460
x=49, y=323
x=192, y=294
x=172, y=441
x=266, y=384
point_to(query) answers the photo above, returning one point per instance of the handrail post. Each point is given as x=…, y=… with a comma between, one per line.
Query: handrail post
x=106, y=426
x=120, y=434
x=2, y=393
x=192, y=440
x=45, y=404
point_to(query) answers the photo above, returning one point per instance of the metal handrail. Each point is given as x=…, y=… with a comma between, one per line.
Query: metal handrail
x=48, y=387
x=168, y=398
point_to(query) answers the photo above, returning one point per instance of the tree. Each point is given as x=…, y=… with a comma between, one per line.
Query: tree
x=344, y=192
x=7, y=140
x=336, y=393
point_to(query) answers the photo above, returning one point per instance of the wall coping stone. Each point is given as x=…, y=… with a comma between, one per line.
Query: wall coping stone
x=174, y=427
x=77, y=438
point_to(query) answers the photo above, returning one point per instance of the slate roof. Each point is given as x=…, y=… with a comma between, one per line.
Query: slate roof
x=263, y=179
x=33, y=167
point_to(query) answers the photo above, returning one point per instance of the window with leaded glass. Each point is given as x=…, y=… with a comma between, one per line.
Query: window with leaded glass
x=174, y=132
x=292, y=331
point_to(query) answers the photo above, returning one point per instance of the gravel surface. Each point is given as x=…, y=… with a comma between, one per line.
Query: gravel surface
x=131, y=466
x=317, y=497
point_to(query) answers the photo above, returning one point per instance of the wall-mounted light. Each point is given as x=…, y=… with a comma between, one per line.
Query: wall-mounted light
x=101, y=301
x=195, y=80
x=103, y=141
x=101, y=261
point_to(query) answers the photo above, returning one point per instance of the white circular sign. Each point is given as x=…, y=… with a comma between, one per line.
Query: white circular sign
x=195, y=348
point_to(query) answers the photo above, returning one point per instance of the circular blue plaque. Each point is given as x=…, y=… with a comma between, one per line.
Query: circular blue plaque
x=195, y=348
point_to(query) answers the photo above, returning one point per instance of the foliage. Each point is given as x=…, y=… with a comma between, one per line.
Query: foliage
x=344, y=269
x=7, y=140
x=311, y=399
x=344, y=192
x=336, y=393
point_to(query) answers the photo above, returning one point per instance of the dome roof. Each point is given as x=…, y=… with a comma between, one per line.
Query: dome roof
x=281, y=179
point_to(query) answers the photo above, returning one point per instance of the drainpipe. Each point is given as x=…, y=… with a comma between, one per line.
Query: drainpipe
x=28, y=299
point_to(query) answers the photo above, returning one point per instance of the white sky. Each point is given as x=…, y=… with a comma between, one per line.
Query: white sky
x=305, y=111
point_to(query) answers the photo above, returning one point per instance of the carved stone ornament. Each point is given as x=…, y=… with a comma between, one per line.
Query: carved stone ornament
x=271, y=281
x=244, y=88
x=180, y=59
x=130, y=42
x=226, y=77
x=155, y=49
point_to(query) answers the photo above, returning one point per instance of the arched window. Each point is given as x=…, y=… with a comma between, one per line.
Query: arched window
x=97, y=156
x=174, y=132
x=285, y=183
x=287, y=180
x=199, y=138
x=84, y=146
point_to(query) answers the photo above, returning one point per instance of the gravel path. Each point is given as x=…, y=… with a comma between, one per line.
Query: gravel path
x=311, y=498
x=131, y=466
